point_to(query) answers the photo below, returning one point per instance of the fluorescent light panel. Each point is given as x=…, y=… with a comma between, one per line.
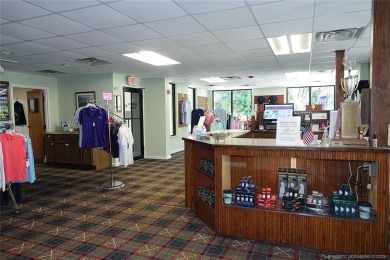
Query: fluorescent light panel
x=213, y=80
x=151, y=58
x=279, y=45
x=300, y=43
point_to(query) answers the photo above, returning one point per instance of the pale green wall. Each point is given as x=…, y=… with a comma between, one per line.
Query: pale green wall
x=364, y=71
x=49, y=84
x=67, y=87
x=156, y=109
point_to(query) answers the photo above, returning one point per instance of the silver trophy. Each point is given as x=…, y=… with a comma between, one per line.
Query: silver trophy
x=350, y=83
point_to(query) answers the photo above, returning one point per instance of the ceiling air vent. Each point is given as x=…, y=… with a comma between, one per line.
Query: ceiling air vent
x=230, y=77
x=51, y=72
x=339, y=35
x=90, y=61
x=212, y=85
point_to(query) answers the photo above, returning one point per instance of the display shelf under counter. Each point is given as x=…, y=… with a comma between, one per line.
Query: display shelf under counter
x=326, y=170
x=63, y=149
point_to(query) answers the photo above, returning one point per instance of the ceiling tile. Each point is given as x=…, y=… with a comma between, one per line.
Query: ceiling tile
x=239, y=34
x=196, y=7
x=61, y=43
x=133, y=33
x=342, y=21
x=234, y=18
x=34, y=59
x=64, y=55
x=271, y=12
x=177, y=53
x=156, y=44
x=15, y=53
x=120, y=59
x=362, y=42
x=92, y=52
x=146, y=11
x=257, y=54
x=248, y=44
x=57, y=24
x=4, y=39
x=287, y=28
x=332, y=46
x=120, y=48
x=60, y=6
x=23, y=32
x=95, y=38
x=195, y=39
x=100, y=17
x=225, y=57
x=339, y=7
x=24, y=10
x=177, y=26
x=210, y=48
x=32, y=47
x=2, y=20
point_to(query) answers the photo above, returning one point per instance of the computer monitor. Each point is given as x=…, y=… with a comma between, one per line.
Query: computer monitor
x=273, y=111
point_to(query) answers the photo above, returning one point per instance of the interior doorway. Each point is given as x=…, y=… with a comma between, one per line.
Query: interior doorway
x=33, y=104
x=133, y=113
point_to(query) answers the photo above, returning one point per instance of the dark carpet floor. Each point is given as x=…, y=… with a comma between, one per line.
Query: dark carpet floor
x=66, y=214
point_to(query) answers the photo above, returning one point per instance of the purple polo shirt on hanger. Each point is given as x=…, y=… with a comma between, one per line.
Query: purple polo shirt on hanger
x=94, y=123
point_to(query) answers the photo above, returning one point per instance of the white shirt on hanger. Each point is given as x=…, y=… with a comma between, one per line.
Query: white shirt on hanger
x=125, y=141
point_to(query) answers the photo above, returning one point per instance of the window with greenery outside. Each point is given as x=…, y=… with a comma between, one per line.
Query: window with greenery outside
x=238, y=102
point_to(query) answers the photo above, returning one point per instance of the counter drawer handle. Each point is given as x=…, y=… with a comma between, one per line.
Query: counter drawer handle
x=66, y=144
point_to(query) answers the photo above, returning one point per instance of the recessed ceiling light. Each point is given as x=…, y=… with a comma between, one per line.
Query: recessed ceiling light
x=279, y=45
x=151, y=58
x=213, y=80
x=299, y=43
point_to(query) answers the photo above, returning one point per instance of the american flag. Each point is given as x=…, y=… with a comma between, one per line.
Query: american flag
x=308, y=136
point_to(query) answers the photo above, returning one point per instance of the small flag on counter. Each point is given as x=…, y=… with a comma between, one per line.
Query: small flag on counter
x=308, y=136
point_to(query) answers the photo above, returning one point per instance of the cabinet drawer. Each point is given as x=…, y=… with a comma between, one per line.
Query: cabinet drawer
x=48, y=138
x=67, y=137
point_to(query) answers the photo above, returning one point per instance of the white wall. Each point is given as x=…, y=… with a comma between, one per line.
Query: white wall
x=156, y=118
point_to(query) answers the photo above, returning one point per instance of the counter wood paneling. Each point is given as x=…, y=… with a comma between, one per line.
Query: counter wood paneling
x=326, y=167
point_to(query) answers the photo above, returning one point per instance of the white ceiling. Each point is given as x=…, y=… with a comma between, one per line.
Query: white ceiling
x=214, y=38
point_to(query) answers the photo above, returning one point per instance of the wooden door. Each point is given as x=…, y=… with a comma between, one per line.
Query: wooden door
x=36, y=124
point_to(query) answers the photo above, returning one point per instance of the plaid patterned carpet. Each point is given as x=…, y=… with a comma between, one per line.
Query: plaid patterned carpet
x=66, y=214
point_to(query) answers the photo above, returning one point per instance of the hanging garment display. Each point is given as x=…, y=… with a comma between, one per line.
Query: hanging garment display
x=126, y=141
x=20, y=117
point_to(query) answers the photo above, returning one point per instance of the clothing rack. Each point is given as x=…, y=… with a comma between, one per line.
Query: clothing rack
x=121, y=118
x=8, y=188
x=3, y=127
x=113, y=184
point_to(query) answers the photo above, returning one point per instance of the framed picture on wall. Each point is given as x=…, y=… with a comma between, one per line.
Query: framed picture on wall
x=82, y=98
x=4, y=101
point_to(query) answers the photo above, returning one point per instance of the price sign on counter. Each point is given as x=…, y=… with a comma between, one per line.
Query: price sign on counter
x=288, y=131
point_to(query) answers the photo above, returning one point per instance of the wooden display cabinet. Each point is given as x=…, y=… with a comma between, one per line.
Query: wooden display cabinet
x=326, y=167
x=63, y=148
x=199, y=178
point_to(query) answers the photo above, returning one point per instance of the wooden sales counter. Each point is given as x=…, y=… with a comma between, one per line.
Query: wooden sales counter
x=326, y=168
